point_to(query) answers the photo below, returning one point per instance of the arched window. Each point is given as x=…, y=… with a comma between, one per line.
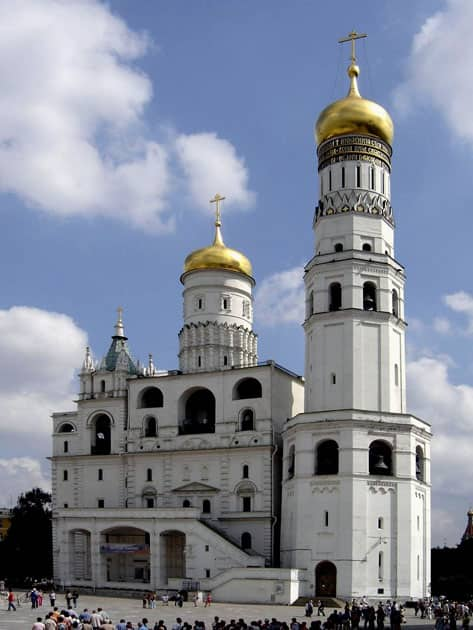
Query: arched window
x=380, y=458
x=150, y=397
x=66, y=446
x=246, y=471
x=66, y=428
x=247, y=388
x=206, y=506
x=338, y=247
x=326, y=462
x=420, y=468
x=247, y=420
x=246, y=491
x=246, y=540
x=366, y=247
x=151, y=427
x=102, y=386
x=395, y=303
x=335, y=296
x=101, y=436
x=369, y=297
x=291, y=463
x=199, y=413
x=149, y=474
x=186, y=503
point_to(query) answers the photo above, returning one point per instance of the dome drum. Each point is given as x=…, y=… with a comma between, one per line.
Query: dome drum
x=355, y=148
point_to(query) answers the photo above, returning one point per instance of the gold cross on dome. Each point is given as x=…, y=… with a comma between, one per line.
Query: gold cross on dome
x=216, y=200
x=352, y=37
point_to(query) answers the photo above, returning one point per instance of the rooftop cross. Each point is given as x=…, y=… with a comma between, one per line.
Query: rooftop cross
x=352, y=37
x=216, y=200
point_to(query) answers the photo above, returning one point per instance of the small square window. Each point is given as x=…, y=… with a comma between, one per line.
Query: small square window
x=207, y=548
x=150, y=503
x=66, y=505
x=100, y=503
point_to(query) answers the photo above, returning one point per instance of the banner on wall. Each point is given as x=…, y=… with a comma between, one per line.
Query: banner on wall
x=123, y=548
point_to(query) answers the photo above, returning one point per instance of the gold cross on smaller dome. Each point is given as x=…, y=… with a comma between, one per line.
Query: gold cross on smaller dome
x=352, y=37
x=216, y=200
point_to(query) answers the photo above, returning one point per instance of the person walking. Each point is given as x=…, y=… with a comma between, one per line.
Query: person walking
x=11, y=600
x=208, y=600
x=52, y=598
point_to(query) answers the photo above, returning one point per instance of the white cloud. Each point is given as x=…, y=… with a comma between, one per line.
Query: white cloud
x=442, y=325
x=461, y=302
x=73, y=139
x=449, y=408
x=439, y=67
x=280, y=298
x=20, y=474
x=40, y=352
x=212, y=165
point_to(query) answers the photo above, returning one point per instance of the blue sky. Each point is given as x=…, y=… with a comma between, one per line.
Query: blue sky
x=121, y=120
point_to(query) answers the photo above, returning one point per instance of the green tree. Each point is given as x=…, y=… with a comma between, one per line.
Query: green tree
x=27, y=548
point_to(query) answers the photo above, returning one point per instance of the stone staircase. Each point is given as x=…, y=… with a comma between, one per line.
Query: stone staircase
x=328, y=602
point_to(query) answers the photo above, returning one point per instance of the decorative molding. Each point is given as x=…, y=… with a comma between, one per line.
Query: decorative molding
x=359, y=202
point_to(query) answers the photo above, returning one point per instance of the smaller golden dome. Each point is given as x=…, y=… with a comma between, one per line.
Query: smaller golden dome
x=218, y=256
x=354, y=114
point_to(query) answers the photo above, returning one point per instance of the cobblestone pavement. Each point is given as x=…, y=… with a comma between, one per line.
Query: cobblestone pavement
x=132, y=610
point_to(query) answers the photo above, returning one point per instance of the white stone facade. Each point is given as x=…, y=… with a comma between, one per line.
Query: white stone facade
x=212, y=476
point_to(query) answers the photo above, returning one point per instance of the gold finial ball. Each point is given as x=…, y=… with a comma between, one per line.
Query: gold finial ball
x=353, y=70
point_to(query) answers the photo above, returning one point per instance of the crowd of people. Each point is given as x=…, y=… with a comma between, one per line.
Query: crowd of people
x=356, y=615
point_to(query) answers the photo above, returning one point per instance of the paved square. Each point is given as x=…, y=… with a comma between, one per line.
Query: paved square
x=132, y=610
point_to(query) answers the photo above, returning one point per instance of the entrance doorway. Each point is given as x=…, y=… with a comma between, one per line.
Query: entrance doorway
x=325, y=579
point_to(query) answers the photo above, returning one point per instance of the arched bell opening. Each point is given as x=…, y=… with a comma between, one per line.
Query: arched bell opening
x=199, y=413
x=380, y=458
x=326, y=458
x=101, y=435
x=247, y=388
x=369, y=297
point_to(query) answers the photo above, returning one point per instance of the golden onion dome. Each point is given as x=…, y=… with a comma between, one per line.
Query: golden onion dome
x=218, y=256
x=354, y=114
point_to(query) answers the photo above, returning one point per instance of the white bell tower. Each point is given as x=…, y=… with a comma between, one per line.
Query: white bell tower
x=356, y=479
